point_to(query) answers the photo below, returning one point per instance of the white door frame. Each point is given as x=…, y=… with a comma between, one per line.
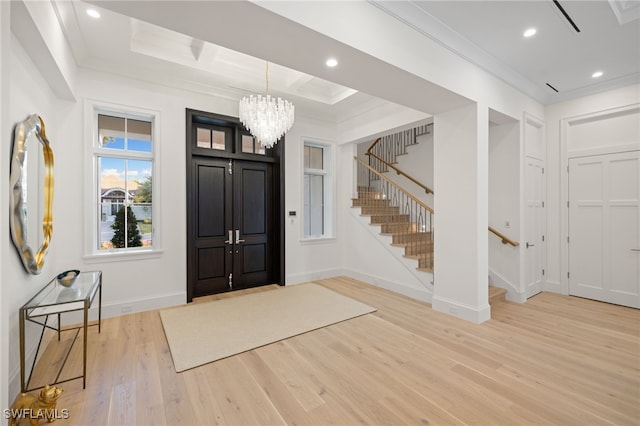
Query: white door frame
x=565, y=125
x=537, y=240
x=533, y=149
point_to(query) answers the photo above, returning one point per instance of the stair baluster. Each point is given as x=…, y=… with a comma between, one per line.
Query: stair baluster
x=398, y=213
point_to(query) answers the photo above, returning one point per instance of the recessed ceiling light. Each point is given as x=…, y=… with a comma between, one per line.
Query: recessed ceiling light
x=597, y=74
x=93, y=13
x=530, y=32
x=331, y=62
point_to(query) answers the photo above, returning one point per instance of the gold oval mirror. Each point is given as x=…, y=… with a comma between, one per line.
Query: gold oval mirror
x=31, y=192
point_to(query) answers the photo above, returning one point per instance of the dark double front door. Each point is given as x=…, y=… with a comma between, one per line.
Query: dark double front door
x=235, y=198
x=233, y=208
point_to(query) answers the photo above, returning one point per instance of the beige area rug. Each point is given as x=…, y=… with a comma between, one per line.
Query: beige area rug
x=206, y=332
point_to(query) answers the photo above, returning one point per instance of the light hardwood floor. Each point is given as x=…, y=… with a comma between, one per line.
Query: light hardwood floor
x=555, y=360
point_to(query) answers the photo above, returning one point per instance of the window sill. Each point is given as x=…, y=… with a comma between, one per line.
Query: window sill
x=115, y=256
x=318, y=240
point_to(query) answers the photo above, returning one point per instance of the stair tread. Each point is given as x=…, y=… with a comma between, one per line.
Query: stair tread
x=497, y=295
x=376, y=214
x=426, y=234
x=382, y=209
x=417, y=256
x=496, y=291
x=413, y=244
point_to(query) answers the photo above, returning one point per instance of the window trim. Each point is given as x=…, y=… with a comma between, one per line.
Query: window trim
x=92, y=150
x=329, y=213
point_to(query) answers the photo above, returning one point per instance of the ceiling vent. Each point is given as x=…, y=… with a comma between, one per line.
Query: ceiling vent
x=566, y=16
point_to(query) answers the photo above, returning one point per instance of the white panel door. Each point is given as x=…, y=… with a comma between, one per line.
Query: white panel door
x=604, y=228
x=534, y=215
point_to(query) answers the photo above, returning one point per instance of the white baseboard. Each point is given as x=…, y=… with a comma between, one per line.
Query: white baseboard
x=144, y=304
x=513, y=294
x=422, y=294
x=125, y=307
x=516, y=297
x=553, y=287
x=305, y=277
x=460, y=310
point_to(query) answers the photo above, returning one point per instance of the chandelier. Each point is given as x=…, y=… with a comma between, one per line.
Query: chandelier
x=267, y=118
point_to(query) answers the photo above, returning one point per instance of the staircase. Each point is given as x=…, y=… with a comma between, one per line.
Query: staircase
x=399, y=215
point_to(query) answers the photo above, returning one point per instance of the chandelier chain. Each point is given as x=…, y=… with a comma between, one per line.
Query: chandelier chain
x=267, y=77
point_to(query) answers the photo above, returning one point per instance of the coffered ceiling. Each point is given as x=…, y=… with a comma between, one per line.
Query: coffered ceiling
x=120, y=44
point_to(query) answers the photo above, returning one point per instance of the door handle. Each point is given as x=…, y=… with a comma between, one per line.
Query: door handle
x=638, y=249
x=230, y=240
x=530, y=245
x=238, y=240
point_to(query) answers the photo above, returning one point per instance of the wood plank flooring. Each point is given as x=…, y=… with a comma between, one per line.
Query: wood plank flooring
x=555, y=360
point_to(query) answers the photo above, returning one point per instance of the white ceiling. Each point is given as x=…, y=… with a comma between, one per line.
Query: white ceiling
x=488, y=33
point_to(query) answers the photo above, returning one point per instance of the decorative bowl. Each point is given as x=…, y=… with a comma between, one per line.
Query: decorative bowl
x=67, y=278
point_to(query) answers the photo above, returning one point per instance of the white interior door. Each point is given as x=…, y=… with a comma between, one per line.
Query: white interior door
x=534, y=216
x=604, y=228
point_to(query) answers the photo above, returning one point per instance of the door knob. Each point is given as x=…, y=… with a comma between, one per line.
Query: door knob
x=238, y=240
x=230, y=239
x=530, y=245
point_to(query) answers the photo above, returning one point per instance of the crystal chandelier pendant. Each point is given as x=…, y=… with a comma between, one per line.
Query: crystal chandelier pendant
x=267, y=118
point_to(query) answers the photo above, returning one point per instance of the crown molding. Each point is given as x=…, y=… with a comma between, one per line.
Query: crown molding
x=428, y=25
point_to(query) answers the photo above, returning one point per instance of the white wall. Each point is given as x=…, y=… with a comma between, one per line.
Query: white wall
x=382, y=120
x=611, y=131
x=139, y=282
x=461, y=205
x=417, y=163
x=29, y=93
x=504, y=204
x=47, y=45
x=607, y=133
x=308, y=259
x=5, y=129
x=419, y=159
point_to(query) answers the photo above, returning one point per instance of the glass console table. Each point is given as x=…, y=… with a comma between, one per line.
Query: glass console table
x=55, y=299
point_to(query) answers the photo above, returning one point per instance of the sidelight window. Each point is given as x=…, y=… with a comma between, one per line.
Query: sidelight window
x=317, y=188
